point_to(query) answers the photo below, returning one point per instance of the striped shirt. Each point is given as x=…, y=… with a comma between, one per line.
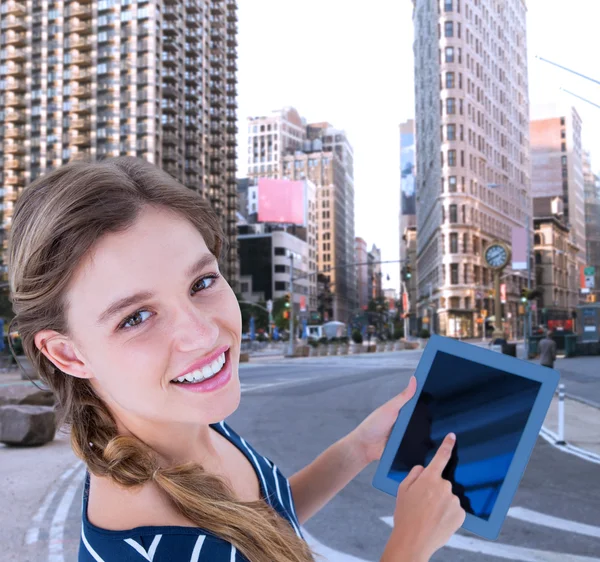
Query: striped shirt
x=185, y=544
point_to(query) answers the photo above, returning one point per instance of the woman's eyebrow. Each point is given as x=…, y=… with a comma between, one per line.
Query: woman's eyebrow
x=126, y=302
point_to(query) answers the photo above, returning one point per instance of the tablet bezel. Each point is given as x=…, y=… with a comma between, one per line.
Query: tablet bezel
x=549, y=379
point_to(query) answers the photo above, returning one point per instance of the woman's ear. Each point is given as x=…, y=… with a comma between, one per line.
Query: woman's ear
x=62, y=353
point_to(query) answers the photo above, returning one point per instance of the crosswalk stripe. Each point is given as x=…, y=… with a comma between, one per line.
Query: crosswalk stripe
x=530, y=516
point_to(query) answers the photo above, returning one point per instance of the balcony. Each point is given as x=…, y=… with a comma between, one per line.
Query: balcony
x=81, y=123
x=14, y=100
x=15, y=8
x=15, y=70
x=216, y=87
x=82, y=155
x=231, y=103
x=75, y=26
x=169, y=60
x=170, y=137
x=193, y=21
x=216, y=101
x=16, y=85
x=14, y=149
x=171, y=29
x=15, y=38
x=15, y=133
x=232, y=39
x=231, y=140
x=12, y=22
x=81, y=60
x=14, y=164
x=170, y=108
x=82, y=43
x=79, y=11
x=171, y=13
x=170, y=75
x=82, y=92
x=231, y=15
x=15, y=116
x=231, y=5
x=170, y=155
x=16, y=179
x=83, y=107
x=231, y=79
x=231, y=128
x=83, y=76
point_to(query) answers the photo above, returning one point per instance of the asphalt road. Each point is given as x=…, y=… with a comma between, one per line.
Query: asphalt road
x=292, y=410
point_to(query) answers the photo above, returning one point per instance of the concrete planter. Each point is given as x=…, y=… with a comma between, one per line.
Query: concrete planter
x=344, y=349
x=322, y=351
x=371, y=348
x=398, y=346
x=313, y=351
x=423, y=342
x=357, y=348
x=332, y=349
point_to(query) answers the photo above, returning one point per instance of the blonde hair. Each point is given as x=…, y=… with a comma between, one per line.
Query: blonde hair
x=56, y=222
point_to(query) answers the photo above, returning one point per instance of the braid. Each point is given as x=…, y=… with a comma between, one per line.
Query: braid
x=254, y=528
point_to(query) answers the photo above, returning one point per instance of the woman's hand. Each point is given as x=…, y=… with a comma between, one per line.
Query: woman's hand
x=368, y=440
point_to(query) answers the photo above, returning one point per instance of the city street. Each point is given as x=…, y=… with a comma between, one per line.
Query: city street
x=292, y=410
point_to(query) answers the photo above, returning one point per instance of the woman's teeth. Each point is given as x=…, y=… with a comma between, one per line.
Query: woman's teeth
x=206, y=372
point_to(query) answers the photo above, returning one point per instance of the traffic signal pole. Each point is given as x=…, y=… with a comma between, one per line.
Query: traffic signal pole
x=292, y=332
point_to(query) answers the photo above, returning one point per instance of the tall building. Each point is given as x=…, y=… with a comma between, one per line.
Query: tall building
x=283, y=145
x=592, y=222
x=270, y=137
x=98, y=79
x=557, y=169
x=362, y=273
x=473, y=160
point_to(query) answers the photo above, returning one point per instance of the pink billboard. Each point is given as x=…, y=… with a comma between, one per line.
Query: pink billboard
x=281, y=201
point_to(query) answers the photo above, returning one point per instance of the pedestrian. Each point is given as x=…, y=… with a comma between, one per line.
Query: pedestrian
x=547, y=349
x=123, y=311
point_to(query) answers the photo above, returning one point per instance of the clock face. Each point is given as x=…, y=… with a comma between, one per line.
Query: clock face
x=496, y=256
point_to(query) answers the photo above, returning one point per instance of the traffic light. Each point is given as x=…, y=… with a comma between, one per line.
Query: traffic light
x=408, y=274
x=523, y=295
x=287, y=300
x=286, y=314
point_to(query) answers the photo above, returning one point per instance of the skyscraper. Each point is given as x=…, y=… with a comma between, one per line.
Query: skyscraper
x=472, y=137
x=557, y=168
x=98, y=79
x=283, y=145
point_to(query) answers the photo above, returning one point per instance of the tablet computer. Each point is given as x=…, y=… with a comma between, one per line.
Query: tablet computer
x=494, y=403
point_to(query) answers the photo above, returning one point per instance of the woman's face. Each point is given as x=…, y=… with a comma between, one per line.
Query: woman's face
x=184, y=313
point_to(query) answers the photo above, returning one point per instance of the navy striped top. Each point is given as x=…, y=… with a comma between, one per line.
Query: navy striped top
x=185, y=544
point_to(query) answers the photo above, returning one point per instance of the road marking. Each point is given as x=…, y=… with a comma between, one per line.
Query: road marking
x=506, y=551
x=56, y=536
x=33, y=533
x=551, y=438
x=544, y=520
x=328, y=554
x=510, y=552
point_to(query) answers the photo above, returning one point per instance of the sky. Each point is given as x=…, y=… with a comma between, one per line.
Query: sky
x=351, y=64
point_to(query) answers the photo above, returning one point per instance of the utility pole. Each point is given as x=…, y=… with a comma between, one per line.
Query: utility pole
x=292, y=333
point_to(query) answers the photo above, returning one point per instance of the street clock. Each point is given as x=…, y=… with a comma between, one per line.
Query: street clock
x=497, y=255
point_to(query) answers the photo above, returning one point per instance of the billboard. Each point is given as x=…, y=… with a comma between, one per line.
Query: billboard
x=407, y=172
x=282, y=201
x=519, y=247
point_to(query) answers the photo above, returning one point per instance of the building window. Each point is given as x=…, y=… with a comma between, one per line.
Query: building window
x=465, y=243
x=281, y=285
x=449, y=79
x=448, y=29
x=280, y=251
x=453, y=213
x=245, y=287
x=454, y=243
x=562, y=121
x=452, y=158
x=454, y=274
x=450, y=106
x=564, y=160
x=451, y=132
x=447, y=5
x=452, y=184
x=449, y=54
x=563, y=147
x=281, y=269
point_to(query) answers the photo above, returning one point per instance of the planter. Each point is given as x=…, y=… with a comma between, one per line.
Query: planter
x=390, y=346
x=322, y=351
x=423, y=342
x=332, y=350
x=358, y=348
x=372, y=348
x=344, y=350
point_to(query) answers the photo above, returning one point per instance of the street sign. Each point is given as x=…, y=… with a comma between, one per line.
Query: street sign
x=270, y=305
x=302, y=303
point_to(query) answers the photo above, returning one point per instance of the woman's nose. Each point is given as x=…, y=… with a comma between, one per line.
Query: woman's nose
x=193, y=329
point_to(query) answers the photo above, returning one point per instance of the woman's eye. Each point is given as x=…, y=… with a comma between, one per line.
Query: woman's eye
x=135, y=319
x=204, y=283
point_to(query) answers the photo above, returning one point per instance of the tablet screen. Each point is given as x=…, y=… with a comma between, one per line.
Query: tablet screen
x=486, y=408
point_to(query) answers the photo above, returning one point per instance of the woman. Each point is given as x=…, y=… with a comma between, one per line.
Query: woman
x=121, y=307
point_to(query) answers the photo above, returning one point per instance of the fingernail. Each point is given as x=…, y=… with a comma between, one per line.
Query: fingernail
x=452, y=436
